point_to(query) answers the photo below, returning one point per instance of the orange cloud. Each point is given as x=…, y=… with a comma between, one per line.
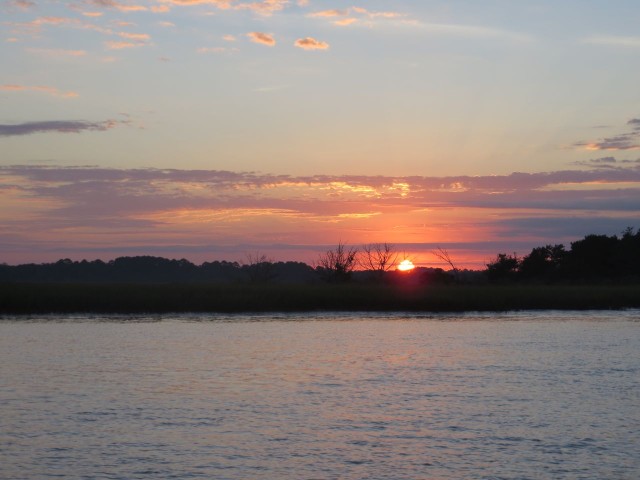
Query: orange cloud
x=262, y=38
x=265, y=7
x=309, y=43
x=134, y=36
x=57, y=52
x=115, y=45
x=370, y=14
x=345, y=22
x=330, y=13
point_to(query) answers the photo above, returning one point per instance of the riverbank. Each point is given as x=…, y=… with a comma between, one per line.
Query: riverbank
x=164, y=298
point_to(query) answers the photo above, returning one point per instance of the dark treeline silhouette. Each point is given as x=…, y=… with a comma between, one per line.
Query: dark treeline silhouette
x=147, y=269
x=593, y=259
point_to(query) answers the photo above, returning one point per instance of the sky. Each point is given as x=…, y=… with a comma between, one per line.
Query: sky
x=215, y=129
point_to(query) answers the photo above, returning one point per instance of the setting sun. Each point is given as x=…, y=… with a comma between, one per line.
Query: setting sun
x=406, y=265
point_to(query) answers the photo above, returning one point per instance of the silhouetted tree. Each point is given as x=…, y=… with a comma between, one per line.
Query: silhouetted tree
x=503, y=268
x=443, y=255
x=259, y=268
x=627, y=255
x=431, y=276
x=337, y=264
x=543, y=262
x=592, y=257
x=377, y=257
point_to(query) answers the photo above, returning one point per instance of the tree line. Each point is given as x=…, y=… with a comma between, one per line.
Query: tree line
x=595, y=258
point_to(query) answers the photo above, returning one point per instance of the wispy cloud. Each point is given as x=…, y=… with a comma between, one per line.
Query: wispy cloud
x=330, y=13
x=470, y=31
x=613, y=41
x=57, y=126
x=635, y=123
x=345, y=22
x=119, y=45
x=38, y=88
x=355, y=14
x=607, y=162
x=140, y=37
x=36, y=24
x=212, y=50
x=123, y=7
x=265, y=7
x=21, y=4
x=57, y=52
x=262, y=38
x=622, y=141
x=309, y=43
x=378, y=14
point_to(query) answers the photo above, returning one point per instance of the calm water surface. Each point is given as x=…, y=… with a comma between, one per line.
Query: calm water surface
x=511, y=396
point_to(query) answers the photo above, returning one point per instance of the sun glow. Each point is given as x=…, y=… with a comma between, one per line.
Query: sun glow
x=406, y=265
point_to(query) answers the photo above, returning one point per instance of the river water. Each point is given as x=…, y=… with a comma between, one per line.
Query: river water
x=531, y=395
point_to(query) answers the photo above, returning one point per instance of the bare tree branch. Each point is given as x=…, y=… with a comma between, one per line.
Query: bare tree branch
x=378, y=257
x=338, y=263
x=443, y=255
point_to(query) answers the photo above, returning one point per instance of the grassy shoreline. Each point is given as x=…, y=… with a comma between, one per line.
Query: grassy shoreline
x=24, y=298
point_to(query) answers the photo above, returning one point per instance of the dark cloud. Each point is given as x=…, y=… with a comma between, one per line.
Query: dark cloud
x=58, y=126
x=626, y=141
x=623, y=141
x=635, y=123
x=603, y=162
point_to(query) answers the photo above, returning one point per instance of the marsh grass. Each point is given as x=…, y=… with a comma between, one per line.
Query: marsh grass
x=229, y=298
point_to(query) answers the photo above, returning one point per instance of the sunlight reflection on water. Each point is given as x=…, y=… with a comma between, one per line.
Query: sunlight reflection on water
x=516, y=395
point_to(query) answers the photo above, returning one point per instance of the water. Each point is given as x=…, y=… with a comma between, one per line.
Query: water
x=545, y=395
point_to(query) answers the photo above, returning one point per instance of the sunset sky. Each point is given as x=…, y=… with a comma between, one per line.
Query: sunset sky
x=210, y=129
